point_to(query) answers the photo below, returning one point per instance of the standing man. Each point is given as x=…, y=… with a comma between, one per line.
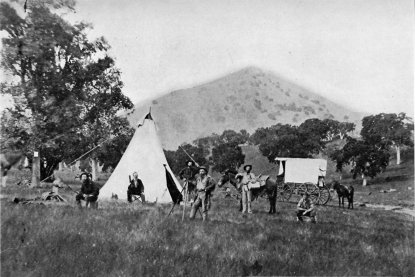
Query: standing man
x=189, y=175
x=305, y=207
x=204, y=186
x=247, y=178
x=89, y=190
x=136, y=187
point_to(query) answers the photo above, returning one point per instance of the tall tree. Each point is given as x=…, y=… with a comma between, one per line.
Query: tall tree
x=66, y=88
x=227, y=152
x=394, y=130
x=366, y=159
x=284, y=140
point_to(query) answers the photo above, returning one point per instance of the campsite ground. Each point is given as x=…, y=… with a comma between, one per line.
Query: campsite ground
x=133, y=240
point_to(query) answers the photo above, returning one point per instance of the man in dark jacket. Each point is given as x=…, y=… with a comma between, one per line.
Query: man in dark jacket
x=189, y=175
x=89, y=190
x=136, y=187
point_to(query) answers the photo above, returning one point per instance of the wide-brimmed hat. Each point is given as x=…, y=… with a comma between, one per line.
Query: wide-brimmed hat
x=247, y=165
x=204, y=168
x=190, y=161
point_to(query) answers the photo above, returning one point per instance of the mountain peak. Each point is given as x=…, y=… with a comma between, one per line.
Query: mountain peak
x=249, y=70
x=246, y=99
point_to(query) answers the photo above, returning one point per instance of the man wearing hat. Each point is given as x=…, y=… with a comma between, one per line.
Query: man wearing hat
x=189, y=175
x=305, y=207
x=247, y=178
x=204, y=185
x=136, y=187
x=89, y=190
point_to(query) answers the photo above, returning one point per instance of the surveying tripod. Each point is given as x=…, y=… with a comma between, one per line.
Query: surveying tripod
x=186, y=195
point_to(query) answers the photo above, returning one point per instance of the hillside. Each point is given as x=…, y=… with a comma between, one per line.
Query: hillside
x=247, y=99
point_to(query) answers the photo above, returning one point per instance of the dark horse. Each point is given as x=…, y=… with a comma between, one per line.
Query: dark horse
x=270, y=188
x=344, y=192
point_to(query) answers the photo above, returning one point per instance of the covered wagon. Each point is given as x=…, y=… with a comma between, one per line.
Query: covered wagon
x=300, y=175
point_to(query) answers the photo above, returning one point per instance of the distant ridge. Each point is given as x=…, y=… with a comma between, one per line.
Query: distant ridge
x=246, y=99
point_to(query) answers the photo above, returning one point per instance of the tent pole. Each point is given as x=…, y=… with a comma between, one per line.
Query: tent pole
x=174, y=204
x=185, y=198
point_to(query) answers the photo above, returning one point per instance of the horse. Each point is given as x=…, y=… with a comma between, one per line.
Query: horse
x=344, y=192
x=270, y=188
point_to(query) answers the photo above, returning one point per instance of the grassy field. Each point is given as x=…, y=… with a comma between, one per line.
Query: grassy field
x=120, y=239
x=135, y=240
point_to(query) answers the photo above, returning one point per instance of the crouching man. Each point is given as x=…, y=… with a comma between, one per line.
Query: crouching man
x=89, y=191
x=204, y=185
x=305, y=208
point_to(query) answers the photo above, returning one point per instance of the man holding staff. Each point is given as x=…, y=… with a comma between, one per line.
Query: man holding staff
x=189, y=175
x=204, y=185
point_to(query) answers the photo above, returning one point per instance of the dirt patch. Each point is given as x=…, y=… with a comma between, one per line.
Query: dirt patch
x=398, y=209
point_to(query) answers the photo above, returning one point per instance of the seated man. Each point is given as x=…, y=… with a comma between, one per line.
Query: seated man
x=305, y=207
x=89, y=191
x=136, y=187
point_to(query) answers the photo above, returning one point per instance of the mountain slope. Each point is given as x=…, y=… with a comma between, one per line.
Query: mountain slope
x=247, y=99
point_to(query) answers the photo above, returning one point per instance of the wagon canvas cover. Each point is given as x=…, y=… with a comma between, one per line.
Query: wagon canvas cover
x=299, y=170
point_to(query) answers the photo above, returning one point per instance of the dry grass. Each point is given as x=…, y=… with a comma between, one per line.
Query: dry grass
x=134, y=240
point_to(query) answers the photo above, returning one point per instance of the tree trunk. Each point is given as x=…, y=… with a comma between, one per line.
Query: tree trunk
x=364, y=180
x=61, y=166
x=398, y=155
x=35, y=170
x=94, y=171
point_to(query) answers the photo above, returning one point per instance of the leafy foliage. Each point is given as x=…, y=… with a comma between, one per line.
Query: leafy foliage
x=220, y=151
x=66, y=89
x=177, y=159
x=388, y=129
x=370, y=156
x=366, y=159
x=227, y=153
x=284, y=140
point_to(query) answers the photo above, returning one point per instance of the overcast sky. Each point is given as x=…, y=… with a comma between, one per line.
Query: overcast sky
x=357, y=53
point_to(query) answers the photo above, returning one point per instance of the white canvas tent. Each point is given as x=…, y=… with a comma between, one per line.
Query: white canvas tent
x=300, y=170
x=145, y=155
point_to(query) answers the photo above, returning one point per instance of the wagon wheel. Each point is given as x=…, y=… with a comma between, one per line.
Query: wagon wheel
x=324, y=195
x=284, y=191
x=312, y=189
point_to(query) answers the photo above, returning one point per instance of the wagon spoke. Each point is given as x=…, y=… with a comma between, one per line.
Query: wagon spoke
x=324, y=196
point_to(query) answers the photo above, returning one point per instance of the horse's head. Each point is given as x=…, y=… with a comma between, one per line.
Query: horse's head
x=227, y=176
x=224, y=178
x=335, y=185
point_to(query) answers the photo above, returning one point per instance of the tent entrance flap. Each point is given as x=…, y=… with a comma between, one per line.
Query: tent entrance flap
x=175, y=194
